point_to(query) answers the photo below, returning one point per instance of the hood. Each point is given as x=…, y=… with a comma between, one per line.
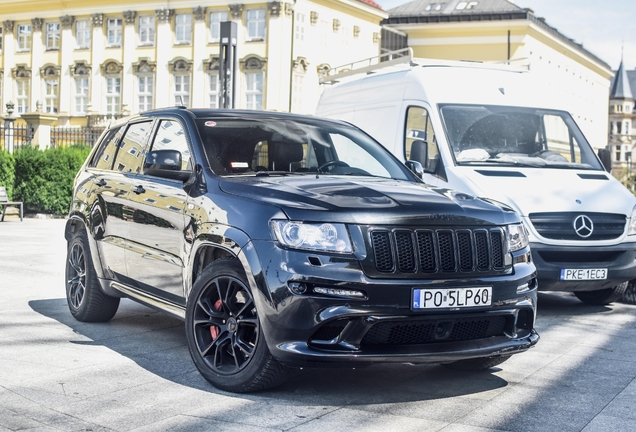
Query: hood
x=532, y=190
x=366, y=200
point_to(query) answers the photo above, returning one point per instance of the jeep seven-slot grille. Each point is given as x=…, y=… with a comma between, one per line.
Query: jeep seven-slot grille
x=438, y=251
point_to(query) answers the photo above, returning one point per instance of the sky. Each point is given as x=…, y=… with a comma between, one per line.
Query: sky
x=602, y=26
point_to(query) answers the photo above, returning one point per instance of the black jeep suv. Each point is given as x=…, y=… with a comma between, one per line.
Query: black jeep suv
x=287, y=241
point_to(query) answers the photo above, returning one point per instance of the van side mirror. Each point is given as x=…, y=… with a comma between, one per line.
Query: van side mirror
x=415, y=167
x=419, y=152
x=605, y=155
x=166, y=164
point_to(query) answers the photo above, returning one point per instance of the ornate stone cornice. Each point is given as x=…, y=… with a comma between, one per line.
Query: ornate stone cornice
x=253, y=62
x=67, y=21
x=8, y=25
x=144, y=66
x=50, y=71
x=164, y=14
x=301, y=64
x=180, y=65
x=336, y=25
x=211, y=64
x=289, y=9
x=199, y=13
x=37, y=24
x=376, y=37
x=274, y=8
x=111, y=67
x=21, y=71
x=81, y=68
x=236, y=10
x=313, y=18
x=129, y=16
x=97, y=19
x=323, y=69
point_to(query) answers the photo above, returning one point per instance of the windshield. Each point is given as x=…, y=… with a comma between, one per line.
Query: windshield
x=284, y=146
x=487, y=135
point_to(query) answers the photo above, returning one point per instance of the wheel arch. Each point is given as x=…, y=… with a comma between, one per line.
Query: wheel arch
x=75, y=222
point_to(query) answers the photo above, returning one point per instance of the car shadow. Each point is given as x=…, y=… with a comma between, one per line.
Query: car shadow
x=156, y=342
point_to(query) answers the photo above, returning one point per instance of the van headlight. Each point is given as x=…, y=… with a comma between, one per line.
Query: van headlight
x=328, y=237
x=632, y=223
x=517, y=237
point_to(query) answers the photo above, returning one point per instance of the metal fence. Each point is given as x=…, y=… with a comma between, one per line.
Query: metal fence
x=63, y=137
x=13, y=138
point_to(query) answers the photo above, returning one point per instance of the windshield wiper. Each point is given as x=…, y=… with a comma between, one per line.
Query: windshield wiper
x=506, y=162
x=276, y=173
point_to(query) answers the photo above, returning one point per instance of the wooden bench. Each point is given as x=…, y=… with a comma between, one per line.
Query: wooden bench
x=4, y=202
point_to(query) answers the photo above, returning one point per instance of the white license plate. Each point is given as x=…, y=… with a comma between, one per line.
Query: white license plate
x=451, y=297
x=583, y=274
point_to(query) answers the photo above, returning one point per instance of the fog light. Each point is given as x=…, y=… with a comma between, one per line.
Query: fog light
x=297, y=287
x=339, y=292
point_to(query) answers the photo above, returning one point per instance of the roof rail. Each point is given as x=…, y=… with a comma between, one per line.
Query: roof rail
x=368, y=65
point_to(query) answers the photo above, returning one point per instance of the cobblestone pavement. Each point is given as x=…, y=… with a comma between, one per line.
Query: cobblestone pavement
x=135, y=373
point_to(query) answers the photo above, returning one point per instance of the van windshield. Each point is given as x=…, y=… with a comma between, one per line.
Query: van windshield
x=487, y=135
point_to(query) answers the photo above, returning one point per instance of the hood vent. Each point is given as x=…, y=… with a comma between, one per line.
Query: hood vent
x=490, y=173
x=593, y=176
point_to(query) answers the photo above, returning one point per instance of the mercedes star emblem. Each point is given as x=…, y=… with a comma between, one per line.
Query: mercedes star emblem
x=583, y=226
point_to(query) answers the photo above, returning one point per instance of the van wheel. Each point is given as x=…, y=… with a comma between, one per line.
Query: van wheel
x=86, y=300
x=224, y=334
x=479, y=363
x=602, y=297
x=629, y=296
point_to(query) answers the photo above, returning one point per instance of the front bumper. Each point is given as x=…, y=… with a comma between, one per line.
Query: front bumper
x=303, y=328
x=619, y=260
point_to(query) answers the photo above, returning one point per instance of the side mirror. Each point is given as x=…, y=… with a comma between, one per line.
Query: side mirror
x=415, y=167
x=166, y=164
x=605, y=155
x=419, y=152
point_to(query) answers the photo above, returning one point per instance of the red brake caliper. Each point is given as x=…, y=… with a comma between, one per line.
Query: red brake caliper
x=214, y=330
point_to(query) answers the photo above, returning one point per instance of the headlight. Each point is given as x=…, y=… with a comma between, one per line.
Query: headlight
x=327, y=237
x=632, y=223
x=517, y=237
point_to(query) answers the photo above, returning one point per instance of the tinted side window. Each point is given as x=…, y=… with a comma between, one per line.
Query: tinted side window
x=105, y=154
x=131, y=147
x=171, y=136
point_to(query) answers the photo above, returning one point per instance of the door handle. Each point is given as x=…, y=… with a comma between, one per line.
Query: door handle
x=101, y=182
x=139, y=189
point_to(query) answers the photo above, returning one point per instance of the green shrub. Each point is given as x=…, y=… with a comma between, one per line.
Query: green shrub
x=7, y=172
x=44, y=179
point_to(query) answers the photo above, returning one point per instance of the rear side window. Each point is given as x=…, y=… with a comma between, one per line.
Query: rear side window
x=131, y=147
x=105, y=154
x=419, y=130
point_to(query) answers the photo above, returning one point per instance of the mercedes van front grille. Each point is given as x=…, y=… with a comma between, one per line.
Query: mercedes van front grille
x=429, y=251
x=579, y=225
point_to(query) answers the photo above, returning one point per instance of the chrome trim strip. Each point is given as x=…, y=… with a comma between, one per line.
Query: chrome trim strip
x=151, y=300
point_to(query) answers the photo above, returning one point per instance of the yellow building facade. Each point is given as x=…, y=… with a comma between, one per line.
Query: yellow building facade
x=88, y=62
x=567, y=75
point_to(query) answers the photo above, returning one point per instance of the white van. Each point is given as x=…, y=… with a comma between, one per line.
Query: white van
x=483, y=130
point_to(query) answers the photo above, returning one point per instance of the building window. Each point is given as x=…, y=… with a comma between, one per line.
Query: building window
x=618, y=153
x=183, y=29
x=24, y=37
x=81, y=96
x=300, y=27
x=437, y=6
x=146, y=90
x=52, y=36
x=213, y=90
x=82, y=34
x=114, y=32
x=255, y=24
x=297, y=89
x=216, y=18
x=51, y=91
x=22, y=99
x=627, y=127
x=182, y=90
x=254, y=90
x=465, y=5
x=113, y=95
x=146, y=30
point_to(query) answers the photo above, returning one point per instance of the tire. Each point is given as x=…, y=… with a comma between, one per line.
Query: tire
x=224, y=334
x=629, y=296
x=479, y=363
x=602, y=297
x=86, y=300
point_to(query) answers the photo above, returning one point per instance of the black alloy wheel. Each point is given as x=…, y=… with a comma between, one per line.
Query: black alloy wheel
x=76, y=275
x=224, y=334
